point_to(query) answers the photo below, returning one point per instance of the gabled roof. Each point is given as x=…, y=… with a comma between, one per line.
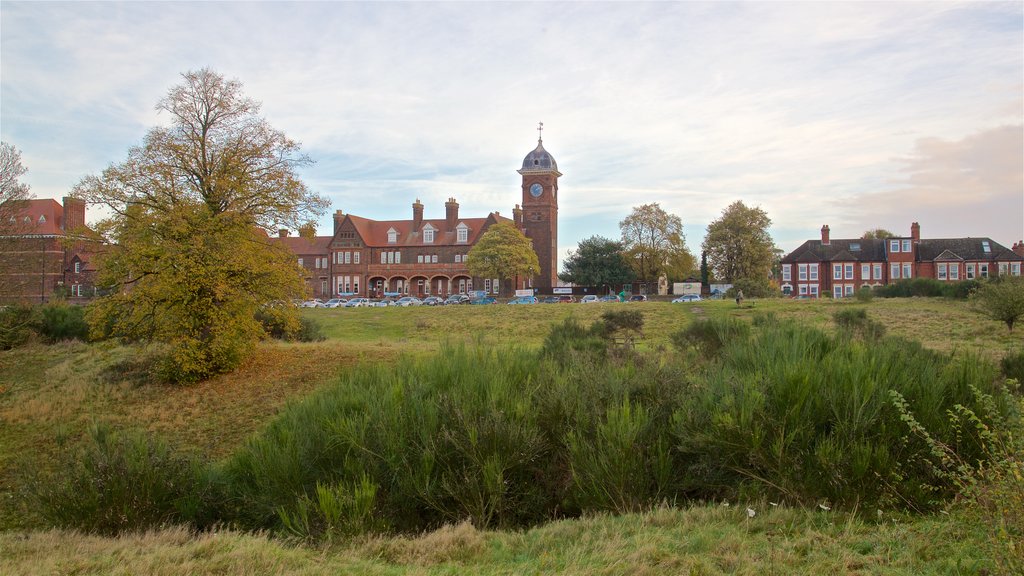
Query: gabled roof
x=947, y=255
x=374, y=233
x=318, y=245
x=52, y=213
x=871, y=250
x=965, y=249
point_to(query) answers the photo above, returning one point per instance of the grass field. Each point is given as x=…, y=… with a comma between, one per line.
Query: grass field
x=50, y=394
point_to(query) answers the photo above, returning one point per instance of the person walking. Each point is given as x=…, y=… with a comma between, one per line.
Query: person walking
x=739, y=297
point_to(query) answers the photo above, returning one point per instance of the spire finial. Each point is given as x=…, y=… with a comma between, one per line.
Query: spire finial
x=540, y=129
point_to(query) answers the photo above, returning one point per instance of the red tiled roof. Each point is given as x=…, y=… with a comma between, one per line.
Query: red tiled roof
x=375, y=232
x=300, y=245
x=51, y=212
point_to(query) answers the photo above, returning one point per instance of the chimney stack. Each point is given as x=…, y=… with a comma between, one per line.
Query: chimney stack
x=451, y=214
x=824, y=235
x=417, y=215
x=1018, y=248
x=517, y=216
x=74, y=214
x=339, y=216
x=915, y=232
x=282, y=233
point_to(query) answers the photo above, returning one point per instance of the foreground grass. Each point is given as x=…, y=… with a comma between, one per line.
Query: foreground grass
x=702, y=540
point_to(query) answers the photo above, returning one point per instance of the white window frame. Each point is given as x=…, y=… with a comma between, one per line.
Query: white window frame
x=392, y=236
x=878, y=271
x=940, y=271
x=954, y=271
x=837, y=271
x=848, y=290
x=894, y=271
x=983, y=270
x=78, y=267
x=383, y=257
x=907, y=246
x=1004, y=268
x=300, y=262
x=462, y=233
x=894, y=246
x=803, y=289
x=848, y=271
x=865, y=271
x=433, y=258
x=813, y=272
x=814, y=290
x=970, y=271
x=1015, y=269
x=908, y=270
x=428, y=235
x=802, y=271
x=837, y=291
x=787, y=273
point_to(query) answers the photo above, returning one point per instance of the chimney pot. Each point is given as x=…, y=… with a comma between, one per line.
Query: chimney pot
x=825, y=235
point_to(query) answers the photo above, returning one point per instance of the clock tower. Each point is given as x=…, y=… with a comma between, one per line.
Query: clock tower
x=540, y=211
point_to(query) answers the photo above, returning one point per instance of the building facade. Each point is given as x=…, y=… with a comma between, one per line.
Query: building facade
x=44, y=252
x=841, y=266
x=427, y=257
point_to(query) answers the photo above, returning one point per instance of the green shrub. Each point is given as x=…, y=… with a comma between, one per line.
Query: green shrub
x=856, y=321
x=118, y=482
x=17, y=325
x=60, y=321
x=572, y=338
x=796, y=414
x=309, y=331
x=1012, y=366
x=710, y=336
x=865, y=294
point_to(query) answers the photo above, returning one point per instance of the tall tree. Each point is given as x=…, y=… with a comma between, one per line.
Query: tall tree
x=879, y=233
x=655, y=245
x=503, y=252
x=738, y=245
x=1001, y=299
x=189, y=261
x=597, y=261
x=13, y=192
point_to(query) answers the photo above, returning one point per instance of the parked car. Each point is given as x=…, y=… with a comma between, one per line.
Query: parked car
x=334, y=302
x=484, y=300
x=609, y=298
x=687, y=298
x=524, y=300
x=314, y=303
x=638, y=298
x=409, y=301
x=550, y=300
x=433, y=301
x=358, y=303
x=590, y=299
x=567, y=299
x=384, y=302
x=456, y=299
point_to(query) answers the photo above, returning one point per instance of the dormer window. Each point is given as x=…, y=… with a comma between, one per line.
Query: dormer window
x=42, y=219
x=392, y=236
x=462, y=233
x=985, y=246
x=428, y=234
x=854, y=247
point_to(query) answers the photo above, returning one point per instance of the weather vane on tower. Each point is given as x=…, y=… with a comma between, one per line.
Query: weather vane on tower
x=540, y=129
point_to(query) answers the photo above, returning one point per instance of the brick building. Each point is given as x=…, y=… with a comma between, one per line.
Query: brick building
x=44, y=250
x=841, y=266
x=423, y=257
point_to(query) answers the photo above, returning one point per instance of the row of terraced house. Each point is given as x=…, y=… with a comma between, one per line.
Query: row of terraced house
x=839, y=267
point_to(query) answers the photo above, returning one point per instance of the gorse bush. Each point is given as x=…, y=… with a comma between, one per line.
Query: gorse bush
x=856, y=321
x=805, y=416
x=17, y=325
x=62, y=321
x=118, y=482
x=711, y=336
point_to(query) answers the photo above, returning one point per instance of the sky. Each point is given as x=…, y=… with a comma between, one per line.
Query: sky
x=857, y=115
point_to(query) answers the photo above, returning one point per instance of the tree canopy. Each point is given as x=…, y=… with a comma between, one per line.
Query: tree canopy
x=1001, y=299
x=597, y=261
x=503, y=252
x=879, y=233
x=654, y=244
x=188, y=261
x=738, y=245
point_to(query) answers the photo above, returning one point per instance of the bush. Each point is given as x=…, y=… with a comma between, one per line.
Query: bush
x=571, y=338
x=856, y=321
x=710, y=336
x=865, y=294
x=17, y=325
x=793, y=413
x=118, y=482
x=1001, y=299
x=1012, y=366
x=62, y=321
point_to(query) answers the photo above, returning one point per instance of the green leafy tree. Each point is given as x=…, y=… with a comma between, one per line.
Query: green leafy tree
x=879, y=233
x=597, y=261
x=189, y=261
x=655, y=245
x=1001, y=299
x=739, y=247
x=705, y=277
x=503, y=252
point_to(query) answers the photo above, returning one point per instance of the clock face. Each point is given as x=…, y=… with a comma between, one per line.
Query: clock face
x=536, y=190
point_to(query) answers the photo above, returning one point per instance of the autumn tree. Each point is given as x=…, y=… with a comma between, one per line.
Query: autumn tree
x=597, y=261
x=1001, y=299
x=739, y=247
x=189, y=261
x=655, y=245
x=15, y=257
x=503, y=252
x=877, y=233
x=13, y=192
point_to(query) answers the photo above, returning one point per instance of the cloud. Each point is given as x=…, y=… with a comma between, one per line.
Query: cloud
x=973, y=186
